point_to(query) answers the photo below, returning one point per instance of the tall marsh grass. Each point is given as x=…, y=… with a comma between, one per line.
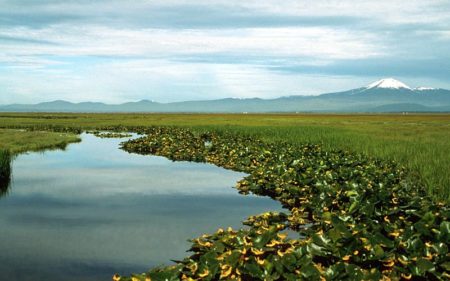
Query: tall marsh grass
x=5, y=164
x=5, y=170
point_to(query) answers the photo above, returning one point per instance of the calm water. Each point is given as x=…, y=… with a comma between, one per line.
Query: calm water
x=94, y=210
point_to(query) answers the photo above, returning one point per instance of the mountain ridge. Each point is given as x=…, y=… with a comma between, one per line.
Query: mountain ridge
x=388, y=95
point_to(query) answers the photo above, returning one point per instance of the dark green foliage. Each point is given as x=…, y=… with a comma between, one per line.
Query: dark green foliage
x=5, y=171
x=357, y=218
x=109, y=134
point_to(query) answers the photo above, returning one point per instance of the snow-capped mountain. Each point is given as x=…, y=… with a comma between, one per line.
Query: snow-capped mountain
x=391, y=83
x=425, y=89
x=388, y=83
x=385, y=95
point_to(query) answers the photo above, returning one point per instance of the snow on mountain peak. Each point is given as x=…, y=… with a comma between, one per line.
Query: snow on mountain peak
x=388, y=83
x=424, y=88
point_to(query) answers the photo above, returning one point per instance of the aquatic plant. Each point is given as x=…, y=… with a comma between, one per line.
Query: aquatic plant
x=356, y=218
x=109, y=134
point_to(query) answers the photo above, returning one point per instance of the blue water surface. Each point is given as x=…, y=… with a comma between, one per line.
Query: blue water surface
x=94, y=210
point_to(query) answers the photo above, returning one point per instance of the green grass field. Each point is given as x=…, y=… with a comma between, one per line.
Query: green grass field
x=16, y=140
x=421, y=142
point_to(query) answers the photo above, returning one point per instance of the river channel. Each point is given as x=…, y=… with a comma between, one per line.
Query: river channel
x=93, y=210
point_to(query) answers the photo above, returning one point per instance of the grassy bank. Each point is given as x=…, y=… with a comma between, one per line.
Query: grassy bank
x=418, y=141
x=17, y=141
x=14, y=141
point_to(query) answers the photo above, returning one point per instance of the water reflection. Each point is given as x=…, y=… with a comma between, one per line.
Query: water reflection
x=4, y=185
x=5, y=172
x=94, y=210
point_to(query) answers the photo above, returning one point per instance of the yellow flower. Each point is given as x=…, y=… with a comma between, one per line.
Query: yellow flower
x=428, y=257
x=193, y=267
x=226, y=271
x=204, y=274
x=259, y=261
x=247, y=243
x=243, y=251
x=406, y=276
x=273, y=243
x=394, y=234
x=257, y=252
x=288, y=251
x=205, y=243
x=402, y=261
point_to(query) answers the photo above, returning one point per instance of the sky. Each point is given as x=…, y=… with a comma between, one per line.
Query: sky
x=174, y=50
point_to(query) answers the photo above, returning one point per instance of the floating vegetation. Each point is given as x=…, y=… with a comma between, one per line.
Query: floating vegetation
x=357, y=218
x=109, y=134
x=5, y=171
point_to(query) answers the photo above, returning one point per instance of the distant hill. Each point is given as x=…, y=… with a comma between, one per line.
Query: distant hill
x=386, y=95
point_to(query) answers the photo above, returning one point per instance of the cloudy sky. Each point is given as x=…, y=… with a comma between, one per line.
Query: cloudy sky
x=173, y=50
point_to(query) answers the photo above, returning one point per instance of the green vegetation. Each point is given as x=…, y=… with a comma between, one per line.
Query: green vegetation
x=14, y=141
x=17, y=141
x=418, y=141
x=357, y=218
x=5, y=170
x=5, y=159
x=109, y=134
x=358, y=214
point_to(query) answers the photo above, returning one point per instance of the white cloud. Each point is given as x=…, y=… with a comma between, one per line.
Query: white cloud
x=113, y=51
x=163, y=81
x=393, y=11
x=313, y=42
